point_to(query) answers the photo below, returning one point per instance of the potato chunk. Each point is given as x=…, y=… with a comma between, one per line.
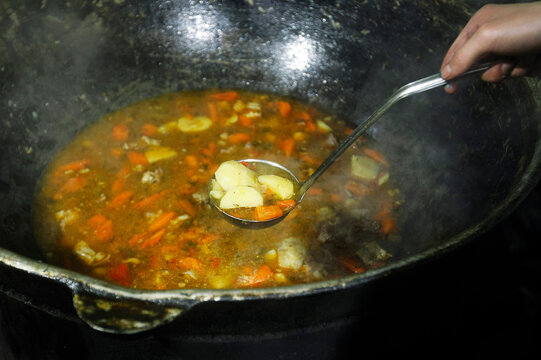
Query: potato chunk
x=323, y=127
x=167, y=127
x=195, y=124
x=216, y=191
x=220, y=281
x=291, y=253
x=241, y=196
x=363, y=167
x=231, y=174
x=159, y=153
x=281, y=187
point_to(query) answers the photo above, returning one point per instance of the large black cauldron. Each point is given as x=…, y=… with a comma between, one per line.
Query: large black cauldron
x=463, y=162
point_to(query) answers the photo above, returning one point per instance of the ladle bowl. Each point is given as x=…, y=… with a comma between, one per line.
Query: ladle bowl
x=269, y=167
x=261, y=166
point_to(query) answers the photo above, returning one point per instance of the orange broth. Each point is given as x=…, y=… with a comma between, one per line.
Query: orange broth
x=126, y=201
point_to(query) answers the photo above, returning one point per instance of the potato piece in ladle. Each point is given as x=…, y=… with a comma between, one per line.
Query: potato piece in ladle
x=281, y=187
x=241, y=196
x=216, y=191
x=231, y=174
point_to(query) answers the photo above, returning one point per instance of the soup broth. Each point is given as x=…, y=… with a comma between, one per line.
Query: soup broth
x=127, y=200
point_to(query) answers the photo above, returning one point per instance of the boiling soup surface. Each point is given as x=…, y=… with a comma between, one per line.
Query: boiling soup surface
x=127, y=200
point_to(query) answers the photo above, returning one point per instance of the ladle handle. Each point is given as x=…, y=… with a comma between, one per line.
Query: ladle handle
x=427, y=83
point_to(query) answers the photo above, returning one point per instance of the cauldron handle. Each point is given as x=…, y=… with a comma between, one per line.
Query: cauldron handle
x=122, y=315
x=105, y=307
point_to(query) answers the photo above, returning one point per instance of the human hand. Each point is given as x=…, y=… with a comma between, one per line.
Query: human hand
x=508, y=35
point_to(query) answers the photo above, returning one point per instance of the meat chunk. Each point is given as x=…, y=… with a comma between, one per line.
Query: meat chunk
x=89, y=255
x=152, y=177
x=372, y=253
x=66, y=217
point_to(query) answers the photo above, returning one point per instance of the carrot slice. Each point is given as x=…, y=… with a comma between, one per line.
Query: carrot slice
x=206, y=161
x=120, y=132
x=71, y=185
x=310, y=125
x=190, y=263
x=137, y=238
x=104, y=232
x=209, y=150
x=120, y=200
x=238, y=138
x=284, y=108
x=124, y=172
x=120, y=274
x=153, y=239
x=225, y=96
x=186, y=189
x=208, y=238
x=118, y=185
x=191, y=234
x=148, y=129
x=387, y=225
x=169, y=249
x=286, y=205
x=375, y=155
x=384, y=211
x=161, y=221
x=288, y=145
x=248, y=165
x=192, y=161
x=74, y=166
x=188, y=207
x=255, y=278
x=103, y=227
x=137, y=158
x=309, y=160
x=357, y=188
x=262, y=274
x=213, y=112
x=152, y=199
x=352, y=265
x=74, y=184
x=97, y=220
x=267, y=212
x=120, y=180
x=245, y=120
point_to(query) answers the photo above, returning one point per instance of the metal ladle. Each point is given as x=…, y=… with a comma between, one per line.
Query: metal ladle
x=269, y=167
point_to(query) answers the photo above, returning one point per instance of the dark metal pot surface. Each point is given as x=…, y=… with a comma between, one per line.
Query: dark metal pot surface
x=463, y=162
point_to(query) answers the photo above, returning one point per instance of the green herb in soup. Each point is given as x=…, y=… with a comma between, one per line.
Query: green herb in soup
x=127, y=200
